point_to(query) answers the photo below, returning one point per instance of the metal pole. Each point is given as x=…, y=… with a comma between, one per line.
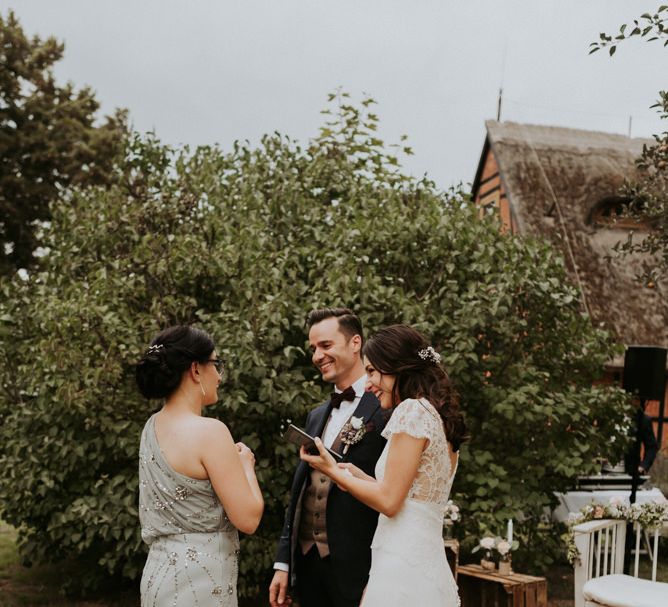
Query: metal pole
x=661, y=420
x=635, y=481
x=635, y=459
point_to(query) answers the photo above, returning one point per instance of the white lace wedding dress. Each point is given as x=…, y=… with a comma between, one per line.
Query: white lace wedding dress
x=408, y=564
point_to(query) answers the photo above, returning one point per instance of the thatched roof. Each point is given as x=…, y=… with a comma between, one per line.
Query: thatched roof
x=554, y=179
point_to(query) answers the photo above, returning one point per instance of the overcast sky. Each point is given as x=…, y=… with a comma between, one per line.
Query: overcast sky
x=208, y=71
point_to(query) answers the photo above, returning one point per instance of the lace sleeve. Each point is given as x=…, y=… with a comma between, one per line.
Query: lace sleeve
x=411, y=417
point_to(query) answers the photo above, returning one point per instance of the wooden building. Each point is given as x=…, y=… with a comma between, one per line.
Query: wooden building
x=563, y=185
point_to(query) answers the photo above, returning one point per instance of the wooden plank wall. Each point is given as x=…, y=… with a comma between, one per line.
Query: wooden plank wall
x=491, y=195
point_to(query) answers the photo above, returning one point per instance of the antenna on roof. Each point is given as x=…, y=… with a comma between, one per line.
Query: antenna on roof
x=630, y=124
x=503, y=77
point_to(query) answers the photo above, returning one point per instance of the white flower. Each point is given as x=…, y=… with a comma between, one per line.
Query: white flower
x=454, y=516
x=487, y=543
x=356, y=422
x=503, y=547
x=429, y=354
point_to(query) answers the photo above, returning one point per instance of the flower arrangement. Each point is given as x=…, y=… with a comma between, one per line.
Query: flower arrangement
x=501, y=545
x=352, y=432
x=649, y=515
x=450, y=517
x=504, y=547
x=451, y=513
x=486, y=544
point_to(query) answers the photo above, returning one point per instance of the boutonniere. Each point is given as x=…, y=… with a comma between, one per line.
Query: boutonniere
x=352, y=432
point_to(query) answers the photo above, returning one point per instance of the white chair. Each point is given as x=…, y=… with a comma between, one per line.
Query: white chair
x=599, y=576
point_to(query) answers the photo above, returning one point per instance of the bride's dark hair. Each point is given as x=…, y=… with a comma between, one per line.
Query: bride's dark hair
x=402, y=351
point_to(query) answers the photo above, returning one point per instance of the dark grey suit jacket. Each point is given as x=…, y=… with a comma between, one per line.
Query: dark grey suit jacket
x=350, y=524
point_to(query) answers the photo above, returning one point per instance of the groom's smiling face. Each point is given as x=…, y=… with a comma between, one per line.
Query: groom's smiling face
x=334, y=353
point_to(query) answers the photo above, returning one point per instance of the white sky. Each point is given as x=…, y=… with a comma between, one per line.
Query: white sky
x=205, y=71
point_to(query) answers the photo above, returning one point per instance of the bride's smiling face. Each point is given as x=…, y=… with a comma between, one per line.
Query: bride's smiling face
x=381, y=384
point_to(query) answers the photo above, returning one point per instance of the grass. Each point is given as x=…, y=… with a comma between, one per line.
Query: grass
x=40, y=586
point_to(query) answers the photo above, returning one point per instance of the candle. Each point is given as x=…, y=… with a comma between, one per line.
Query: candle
x=509, y=534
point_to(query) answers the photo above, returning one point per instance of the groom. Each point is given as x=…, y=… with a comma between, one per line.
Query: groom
x=324, y=551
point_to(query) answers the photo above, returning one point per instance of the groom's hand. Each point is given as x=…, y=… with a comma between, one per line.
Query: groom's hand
x=322, y=461
x=278, y=590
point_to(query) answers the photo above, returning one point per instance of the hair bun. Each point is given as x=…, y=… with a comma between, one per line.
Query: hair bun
x=160, y=370
x=154, y=355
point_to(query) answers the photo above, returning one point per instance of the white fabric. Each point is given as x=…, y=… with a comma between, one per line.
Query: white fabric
x=408, y=562
x=625, y=591
x=340, y=416
x=419, y=419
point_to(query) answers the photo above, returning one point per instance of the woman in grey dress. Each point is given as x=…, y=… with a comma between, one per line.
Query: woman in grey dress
x=196, y=486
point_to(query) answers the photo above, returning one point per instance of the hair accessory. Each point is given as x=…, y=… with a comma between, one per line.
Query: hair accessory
x=154, y=349
x=429, y=354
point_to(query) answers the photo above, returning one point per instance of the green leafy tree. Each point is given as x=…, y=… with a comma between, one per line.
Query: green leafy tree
x=48, y=140
x=649, y=194
x=245, y=243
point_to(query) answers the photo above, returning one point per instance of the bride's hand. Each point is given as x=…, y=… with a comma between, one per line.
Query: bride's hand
x=323, y=461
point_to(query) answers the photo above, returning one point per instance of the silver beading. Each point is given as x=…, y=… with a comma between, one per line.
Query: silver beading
x=429, y=354
x=155, y=348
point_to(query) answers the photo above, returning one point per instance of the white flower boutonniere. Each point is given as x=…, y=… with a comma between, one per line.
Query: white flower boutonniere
x=352, y=432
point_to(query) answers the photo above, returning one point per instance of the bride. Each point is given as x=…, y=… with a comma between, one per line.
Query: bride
x=413, y=475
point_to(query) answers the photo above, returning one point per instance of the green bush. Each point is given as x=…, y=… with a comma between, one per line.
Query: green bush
x=245, y=243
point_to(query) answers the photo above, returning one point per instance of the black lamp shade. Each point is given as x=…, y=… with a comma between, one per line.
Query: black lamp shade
x=645, y=372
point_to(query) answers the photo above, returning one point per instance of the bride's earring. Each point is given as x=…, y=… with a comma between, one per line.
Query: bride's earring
x=202, y=388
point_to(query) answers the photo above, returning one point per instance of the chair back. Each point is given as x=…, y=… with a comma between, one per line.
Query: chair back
x=652, y=546
x=601, y=547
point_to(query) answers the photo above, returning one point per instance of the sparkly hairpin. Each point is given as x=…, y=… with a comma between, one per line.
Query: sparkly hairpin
x=155, y=348
x=429, y=354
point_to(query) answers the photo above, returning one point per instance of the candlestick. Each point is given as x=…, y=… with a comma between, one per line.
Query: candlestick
x=509, y=533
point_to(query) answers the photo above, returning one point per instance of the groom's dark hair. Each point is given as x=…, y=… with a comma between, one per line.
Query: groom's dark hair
x=349, y=322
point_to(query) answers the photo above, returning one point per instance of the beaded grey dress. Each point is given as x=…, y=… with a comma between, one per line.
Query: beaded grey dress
x=193, y=547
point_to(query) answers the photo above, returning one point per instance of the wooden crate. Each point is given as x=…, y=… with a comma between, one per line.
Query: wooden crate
x=481, y=588
x=452, y=554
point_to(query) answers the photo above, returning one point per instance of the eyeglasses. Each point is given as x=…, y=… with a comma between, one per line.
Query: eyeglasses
x=218, y=363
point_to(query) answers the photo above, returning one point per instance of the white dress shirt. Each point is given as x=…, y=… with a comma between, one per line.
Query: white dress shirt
x=340, y=416
x=337, y=418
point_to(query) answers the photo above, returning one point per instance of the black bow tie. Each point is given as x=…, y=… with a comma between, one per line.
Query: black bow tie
x=338, y=397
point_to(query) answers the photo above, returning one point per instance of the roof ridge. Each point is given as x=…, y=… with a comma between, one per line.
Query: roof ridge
x=500, y=130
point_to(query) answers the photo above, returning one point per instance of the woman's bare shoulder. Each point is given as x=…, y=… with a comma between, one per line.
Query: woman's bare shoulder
x=210, y=428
